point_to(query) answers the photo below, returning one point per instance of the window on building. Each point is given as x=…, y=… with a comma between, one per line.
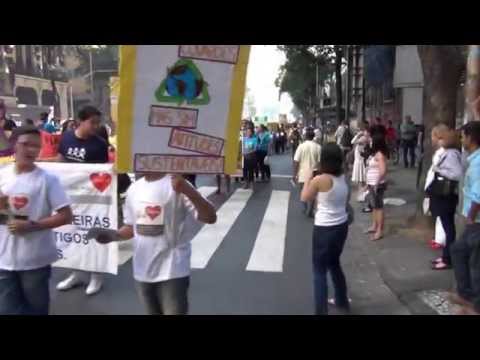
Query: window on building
x=26, y=95
x=48, y=98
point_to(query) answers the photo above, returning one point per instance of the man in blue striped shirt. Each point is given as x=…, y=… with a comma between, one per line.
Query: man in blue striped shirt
x=466, y=251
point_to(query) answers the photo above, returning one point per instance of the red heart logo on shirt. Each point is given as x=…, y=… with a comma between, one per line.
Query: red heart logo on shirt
x=153, y=211
x=20, y=202
x=101, y=181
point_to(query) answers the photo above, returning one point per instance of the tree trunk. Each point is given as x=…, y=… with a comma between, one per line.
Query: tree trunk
x=442, y=68
x=338, y=81
x=472, y=85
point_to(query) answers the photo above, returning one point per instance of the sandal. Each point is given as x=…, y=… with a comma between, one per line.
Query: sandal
x=370, y=231
x=441, y=266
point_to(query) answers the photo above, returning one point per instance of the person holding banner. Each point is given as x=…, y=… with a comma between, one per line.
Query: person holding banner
x=33, y=203
x=155, y=212
x=83, y=145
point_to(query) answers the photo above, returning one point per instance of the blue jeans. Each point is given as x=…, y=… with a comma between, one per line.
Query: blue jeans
x=25, y=292
x=328, y=243
x=466, y=263
x=168, y=297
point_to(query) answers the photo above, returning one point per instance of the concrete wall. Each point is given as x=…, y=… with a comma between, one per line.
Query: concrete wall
x=408, y=70
x=408, y=77
x=39, y=85
x=412, y=104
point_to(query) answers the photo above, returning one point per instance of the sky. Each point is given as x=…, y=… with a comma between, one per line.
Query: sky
x=263, y=69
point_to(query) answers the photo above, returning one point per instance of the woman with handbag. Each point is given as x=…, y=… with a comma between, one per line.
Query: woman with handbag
x=442, y=187
x=330, y=190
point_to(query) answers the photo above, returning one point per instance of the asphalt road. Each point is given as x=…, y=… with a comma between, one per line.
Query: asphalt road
x=240, y=274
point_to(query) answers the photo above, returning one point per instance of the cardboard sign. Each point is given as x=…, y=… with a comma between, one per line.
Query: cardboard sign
x=180, y=108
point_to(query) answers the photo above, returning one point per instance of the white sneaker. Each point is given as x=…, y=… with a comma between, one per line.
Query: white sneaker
x=95, y=284
x=70, y=282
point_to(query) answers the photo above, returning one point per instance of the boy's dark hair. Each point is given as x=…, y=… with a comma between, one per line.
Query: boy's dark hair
x=88, y=112
x=472, y=130
x=44, y=116
x=24, y=130
x=331, y=160
x=310, y=134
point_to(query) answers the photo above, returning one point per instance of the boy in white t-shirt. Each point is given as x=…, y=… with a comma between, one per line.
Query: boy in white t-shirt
x=32, y=203
x=155, y=211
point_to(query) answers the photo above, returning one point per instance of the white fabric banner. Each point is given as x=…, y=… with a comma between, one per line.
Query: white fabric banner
x=92, y=188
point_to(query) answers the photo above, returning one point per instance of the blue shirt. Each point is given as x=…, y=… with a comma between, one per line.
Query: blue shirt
x=249, y=144
x=264, y=141
x=93, y=150
x=471, y=186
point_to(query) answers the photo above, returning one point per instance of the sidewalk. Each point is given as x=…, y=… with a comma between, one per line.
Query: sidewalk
x=402, y=258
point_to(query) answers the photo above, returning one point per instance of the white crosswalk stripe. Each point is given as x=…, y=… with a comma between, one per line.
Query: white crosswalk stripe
x=267, y=254
x=210, y=237
x=206, y=191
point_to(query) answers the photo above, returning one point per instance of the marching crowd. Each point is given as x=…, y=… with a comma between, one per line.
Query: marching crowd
x=33, y=203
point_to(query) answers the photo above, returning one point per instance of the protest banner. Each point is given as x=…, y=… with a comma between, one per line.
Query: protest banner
x=180, y=108
x=92, y=189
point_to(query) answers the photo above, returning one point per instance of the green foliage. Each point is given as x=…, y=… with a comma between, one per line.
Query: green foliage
x=298, y=75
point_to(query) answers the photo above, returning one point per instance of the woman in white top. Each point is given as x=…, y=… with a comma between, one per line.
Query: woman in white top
x=447, y=171
x=360, y=140
x=376, y=183
x=331, y=227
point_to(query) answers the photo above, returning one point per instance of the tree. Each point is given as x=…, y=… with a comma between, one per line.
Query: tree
x=250, y=110
x=298, y=75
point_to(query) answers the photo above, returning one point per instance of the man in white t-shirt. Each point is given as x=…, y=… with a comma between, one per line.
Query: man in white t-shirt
x=32, y=204
x=155, y=212
x=306, y=160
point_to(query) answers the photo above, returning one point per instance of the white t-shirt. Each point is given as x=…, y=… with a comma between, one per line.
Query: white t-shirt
x=308, y=157
x=38, y=195
x=160, y=253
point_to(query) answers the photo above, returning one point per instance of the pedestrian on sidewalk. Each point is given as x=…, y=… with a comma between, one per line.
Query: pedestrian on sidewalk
x=263, y=146
x=295, y=139
x=441, y=187
x=83, y=145
x=466, y=250
x=156, y=212
x=377, y=184
x=359, y=173
x=33, y=203
x=306, y=160
x=250, y=142
x=331, y=227
x=409, y=141
x=282, y=138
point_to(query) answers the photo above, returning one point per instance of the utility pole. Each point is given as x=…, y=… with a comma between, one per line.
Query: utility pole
x=92, y=91
x=348, y=56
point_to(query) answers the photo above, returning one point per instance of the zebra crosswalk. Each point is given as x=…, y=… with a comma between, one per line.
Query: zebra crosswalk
x=210, y=237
